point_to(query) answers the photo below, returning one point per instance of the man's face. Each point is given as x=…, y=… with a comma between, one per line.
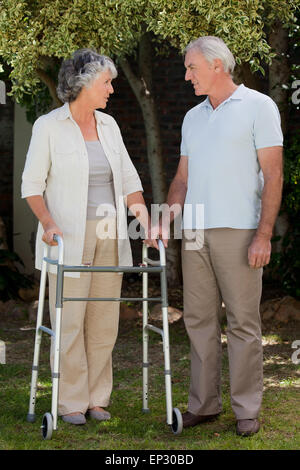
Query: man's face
x=200, y=72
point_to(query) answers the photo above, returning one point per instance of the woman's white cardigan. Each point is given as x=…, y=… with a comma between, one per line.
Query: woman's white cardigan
x=57, y=168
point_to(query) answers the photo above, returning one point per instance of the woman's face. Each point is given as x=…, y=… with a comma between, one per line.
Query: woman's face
x=98, y=92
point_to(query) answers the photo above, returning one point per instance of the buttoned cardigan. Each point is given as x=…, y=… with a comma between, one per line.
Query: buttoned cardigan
x=57, y=169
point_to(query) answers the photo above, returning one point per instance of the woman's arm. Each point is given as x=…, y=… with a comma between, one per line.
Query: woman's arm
x=34, y=178
x=39, y=208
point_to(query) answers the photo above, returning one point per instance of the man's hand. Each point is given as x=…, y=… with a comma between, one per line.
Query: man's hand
x=259, y=252
x=157, y=232
x=162, y=232
x=151, y=242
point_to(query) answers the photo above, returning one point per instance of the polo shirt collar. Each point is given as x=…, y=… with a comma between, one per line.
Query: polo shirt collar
x=238, y=94
x=64, y=112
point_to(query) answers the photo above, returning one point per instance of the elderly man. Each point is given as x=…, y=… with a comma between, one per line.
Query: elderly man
x=231, y=163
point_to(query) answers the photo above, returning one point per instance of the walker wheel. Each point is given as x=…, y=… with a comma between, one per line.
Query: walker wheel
x=47, y=426
x=177, y=423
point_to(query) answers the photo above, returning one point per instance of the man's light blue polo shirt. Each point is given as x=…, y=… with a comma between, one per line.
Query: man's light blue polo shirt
x=223, y=170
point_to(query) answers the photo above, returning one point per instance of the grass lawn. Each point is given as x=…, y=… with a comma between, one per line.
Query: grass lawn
x=129, y=428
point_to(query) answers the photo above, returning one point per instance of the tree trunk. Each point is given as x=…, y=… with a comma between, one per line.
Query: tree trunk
x=278, y=90
x=49, y=82
x=144, y=95
x=279, y=71
x=142, y=88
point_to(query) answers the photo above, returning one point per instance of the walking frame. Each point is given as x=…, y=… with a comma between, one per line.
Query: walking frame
x=49, y=422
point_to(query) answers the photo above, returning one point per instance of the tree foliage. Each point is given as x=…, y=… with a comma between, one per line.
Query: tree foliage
x=32, y=31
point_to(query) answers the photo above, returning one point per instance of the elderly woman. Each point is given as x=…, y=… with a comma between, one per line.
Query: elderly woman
x=76, y=168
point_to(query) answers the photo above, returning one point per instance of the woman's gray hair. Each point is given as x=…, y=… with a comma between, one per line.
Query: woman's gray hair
x=212, y=48
x=80, y=71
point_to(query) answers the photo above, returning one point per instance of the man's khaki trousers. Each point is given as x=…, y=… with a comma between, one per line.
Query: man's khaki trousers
x=220, y=271
x=89, y=329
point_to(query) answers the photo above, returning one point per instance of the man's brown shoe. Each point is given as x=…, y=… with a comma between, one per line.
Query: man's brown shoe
x=189, y=419
x=247, y=427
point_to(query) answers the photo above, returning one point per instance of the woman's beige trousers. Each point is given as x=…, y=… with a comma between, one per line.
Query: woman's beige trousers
x=89, y=329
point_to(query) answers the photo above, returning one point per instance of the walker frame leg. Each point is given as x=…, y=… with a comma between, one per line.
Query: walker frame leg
x=37, y=343
x=58, y=321
x=166, y=347
x=174, y=417
x=145, y=339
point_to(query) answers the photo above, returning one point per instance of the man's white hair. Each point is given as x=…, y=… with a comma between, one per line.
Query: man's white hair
x=212, y=48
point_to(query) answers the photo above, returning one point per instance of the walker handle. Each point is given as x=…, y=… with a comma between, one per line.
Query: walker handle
x=162, y=256
x=59, y=240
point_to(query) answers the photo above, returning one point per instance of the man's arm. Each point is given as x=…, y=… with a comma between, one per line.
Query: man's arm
x=270, y=159
x=178, y=187
x=175, y=200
